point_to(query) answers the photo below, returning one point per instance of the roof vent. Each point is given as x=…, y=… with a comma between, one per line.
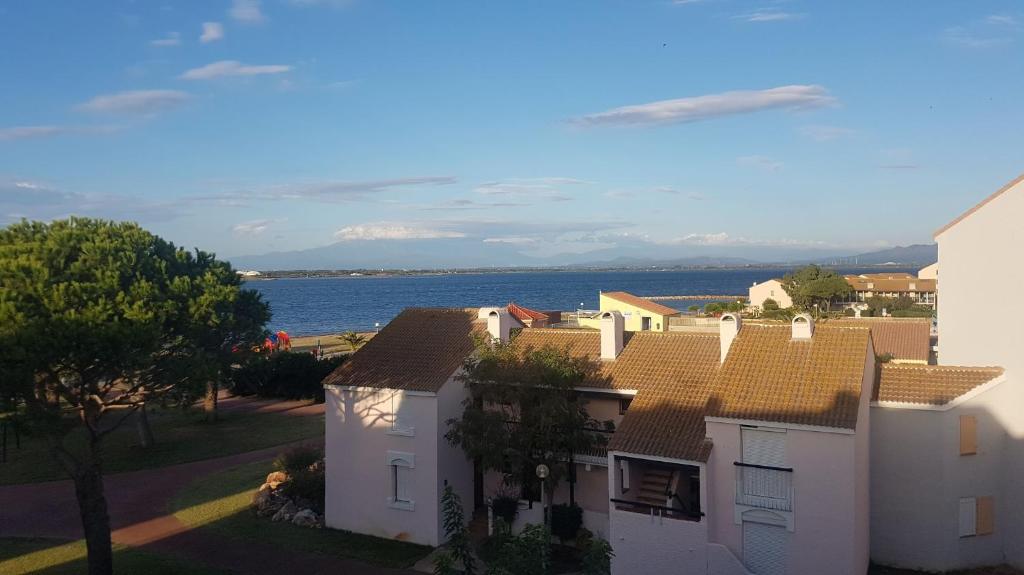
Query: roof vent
x=499, y=324
x=612, y=327
x=728, y=328
x=803, y=326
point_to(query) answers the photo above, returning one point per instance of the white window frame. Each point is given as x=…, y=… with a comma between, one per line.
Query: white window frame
x=395, y=461
x=399, y=426
x=968, y=521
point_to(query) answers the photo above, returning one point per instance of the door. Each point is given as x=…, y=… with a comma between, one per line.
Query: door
x=764, y=548
x=645, y=324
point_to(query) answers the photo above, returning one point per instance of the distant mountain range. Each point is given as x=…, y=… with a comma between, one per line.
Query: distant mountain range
x=465, y=253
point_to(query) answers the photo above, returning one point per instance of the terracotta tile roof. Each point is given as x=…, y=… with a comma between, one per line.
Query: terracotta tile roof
x=524, y=314
x=671, y=372
x=1019, y=179
x=642, y=303
x=905, y=339
x=895, y=284
x=768, y=376
x=418, y=350
x=930, y=384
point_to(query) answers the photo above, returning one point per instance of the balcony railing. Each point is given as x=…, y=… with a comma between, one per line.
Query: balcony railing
x=764, y=486
x=656, y=510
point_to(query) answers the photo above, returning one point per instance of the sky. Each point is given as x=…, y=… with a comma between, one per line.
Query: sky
x=540, y=129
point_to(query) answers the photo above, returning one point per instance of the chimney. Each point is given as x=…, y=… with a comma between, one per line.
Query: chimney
x=613, y=325
x=728, y=327
x=803, y=326
x=499, y=323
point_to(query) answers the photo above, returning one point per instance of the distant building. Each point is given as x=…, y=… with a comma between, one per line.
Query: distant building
x=929, y=273
x=640, y=314
x=531, y=318
x=771, y=289
x=248, y=273
x=892, y=285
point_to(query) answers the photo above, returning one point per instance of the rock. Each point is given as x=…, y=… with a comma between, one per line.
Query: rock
x=262, y=498
x=286, y=512
x=305, y=518
x=276, y=478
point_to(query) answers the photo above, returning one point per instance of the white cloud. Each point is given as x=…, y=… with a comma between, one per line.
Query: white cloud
x=989, y=32
x=142, y=102
x=513, y=240
x=393, y=231
x=251, y=228
x=212, y=31
x=26, y=132
x=329, y=191
x=761, y=162
x=547, y=188
x=171, y=39
x=41, y=201
x=768, y=16
x=695, y=109
x=825, y=133
x=724, y=239
x=684, y=2
x=1003, y=19
x=226, y=68
x=247, y=11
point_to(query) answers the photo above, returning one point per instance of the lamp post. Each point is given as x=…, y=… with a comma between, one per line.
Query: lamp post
x=542, y=474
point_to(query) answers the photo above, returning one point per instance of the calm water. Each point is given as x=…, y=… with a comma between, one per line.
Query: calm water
x=330, y=305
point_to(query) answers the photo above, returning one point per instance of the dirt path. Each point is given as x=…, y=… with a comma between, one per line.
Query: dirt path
x=138, y=504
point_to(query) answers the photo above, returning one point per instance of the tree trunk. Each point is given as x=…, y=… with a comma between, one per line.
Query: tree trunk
x=92, y=505
x=210, y=401
x=142, y=425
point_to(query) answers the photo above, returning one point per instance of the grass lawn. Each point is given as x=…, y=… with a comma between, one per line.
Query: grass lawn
x=220, y=503
x=331, y=343
x=181, y=436
x=996, y=570
x=51, y=557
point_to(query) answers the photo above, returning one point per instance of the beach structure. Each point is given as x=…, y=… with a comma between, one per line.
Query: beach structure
x=761, y=448
x=770, y=289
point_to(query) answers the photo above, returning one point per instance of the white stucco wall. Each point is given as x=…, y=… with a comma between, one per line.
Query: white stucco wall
x=646, y=544
x=359, y=479
x=919, y=476
x=453, y=467
x=983, y=248
x=771, y=289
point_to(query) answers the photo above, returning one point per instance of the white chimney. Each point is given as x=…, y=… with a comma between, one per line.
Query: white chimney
x=803, y=326
x=728, y=328
x=613, y=326
x=499, y=323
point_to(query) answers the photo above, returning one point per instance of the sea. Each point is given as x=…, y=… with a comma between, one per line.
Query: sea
x=316, y=306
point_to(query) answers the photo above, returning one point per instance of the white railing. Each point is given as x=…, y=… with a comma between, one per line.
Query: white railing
x=764, y=486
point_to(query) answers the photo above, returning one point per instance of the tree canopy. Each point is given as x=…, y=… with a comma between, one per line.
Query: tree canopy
x=523, y=410
x=99, y=317
x=813, y=285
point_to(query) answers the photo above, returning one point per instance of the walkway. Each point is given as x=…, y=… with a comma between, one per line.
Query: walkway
x=139, y=501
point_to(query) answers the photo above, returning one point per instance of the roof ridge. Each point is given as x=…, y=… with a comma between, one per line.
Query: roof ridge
x=919, y=367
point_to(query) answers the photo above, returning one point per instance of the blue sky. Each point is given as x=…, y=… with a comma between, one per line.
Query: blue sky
x=544, y=128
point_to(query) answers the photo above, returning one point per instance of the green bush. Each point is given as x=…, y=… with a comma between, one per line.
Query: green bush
x=566, y=521
x=506, y=507
x=299, y=458
x=286, y=375
x=917, y=311
x=308, y=484
x=597, y=557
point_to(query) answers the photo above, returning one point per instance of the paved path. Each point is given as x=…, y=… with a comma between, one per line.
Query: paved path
x=139, y=501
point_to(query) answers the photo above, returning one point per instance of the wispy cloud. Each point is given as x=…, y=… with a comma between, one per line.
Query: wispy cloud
x=725, y=239
x=171, y=39
x=393, y=231
x=212, y=31
x=769, y=16
x=692, y=195
x=136, y=102
x=247, y=11
x=760, y=162
x=825, y=133
x=28, y=132
x=548, y=188
x=32, y=199
x=514, y=240
x=695, y=109
x=898, y=159
x=251, y=228
x=329, y=191
x=989, y=32
x=899, y=166
x=230, y=68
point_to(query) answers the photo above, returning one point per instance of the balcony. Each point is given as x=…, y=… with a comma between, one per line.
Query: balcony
x=764, y=486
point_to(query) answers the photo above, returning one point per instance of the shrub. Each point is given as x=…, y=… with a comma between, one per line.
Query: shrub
x=917, y=311
x=308, y=484
x=566, y=521
x=597, y=557
x=286, y=375
x=505, y=507
x=770, y=305
x=297, y=459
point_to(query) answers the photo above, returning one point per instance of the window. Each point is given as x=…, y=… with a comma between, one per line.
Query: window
x=624, y=404
x=400, y=468
x=977, y=516
x=401, y=420
x=968, y=435
x=645, y=324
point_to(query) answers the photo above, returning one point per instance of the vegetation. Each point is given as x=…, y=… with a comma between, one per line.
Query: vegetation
x=184, y=436
x=21, y=556
x=522, y=411
x=99, y=318
x=460, y=547
x=286, y=375
x=220, y=503
x=718, y=308
x=566, y=521
x=354, y=340
x=306, y=479
x=813, y=288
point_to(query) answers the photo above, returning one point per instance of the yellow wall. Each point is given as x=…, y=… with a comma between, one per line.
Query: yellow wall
x=633, y=315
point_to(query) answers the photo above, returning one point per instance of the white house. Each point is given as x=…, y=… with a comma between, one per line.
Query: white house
x=770, y=289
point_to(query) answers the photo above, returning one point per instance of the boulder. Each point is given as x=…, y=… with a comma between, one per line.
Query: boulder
x=286, y=512
x=276, y=478
x=262, y=498
x=305, y=518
